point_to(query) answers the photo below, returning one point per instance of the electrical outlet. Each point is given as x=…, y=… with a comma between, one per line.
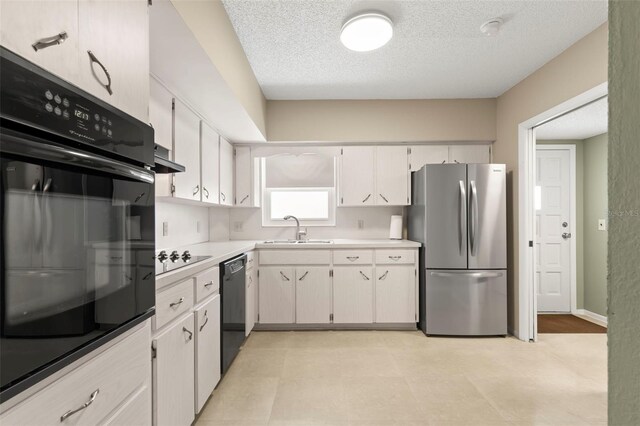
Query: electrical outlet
x=360, y=224
x=602, y=224
x=237, y=226
x=165, y=229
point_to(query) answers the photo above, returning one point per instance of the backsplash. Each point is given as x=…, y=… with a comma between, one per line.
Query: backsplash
x=185, y=224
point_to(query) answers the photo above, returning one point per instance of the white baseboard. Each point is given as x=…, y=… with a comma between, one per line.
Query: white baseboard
x=591, y=316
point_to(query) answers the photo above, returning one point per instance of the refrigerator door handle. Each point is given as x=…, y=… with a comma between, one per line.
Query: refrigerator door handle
x=461, y=219
x=473, y=223
x=468, y=274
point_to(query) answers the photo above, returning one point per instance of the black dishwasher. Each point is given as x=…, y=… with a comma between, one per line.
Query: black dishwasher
x=232, y=290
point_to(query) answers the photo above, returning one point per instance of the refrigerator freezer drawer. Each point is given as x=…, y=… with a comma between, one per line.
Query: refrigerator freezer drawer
x=466, y=302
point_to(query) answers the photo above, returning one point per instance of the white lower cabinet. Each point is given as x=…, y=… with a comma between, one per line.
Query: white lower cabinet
x=353, y=294
x=395, y=294
x=313, y=295
x=250, y=299
x=173, y=372
x=135, y=412
x=277, y=295
x=207, y=372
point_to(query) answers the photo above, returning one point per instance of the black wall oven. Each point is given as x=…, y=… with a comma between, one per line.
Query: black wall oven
x=77, y=234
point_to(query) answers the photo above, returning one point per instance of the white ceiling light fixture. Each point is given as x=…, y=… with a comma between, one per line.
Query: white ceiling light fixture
x=491, y=28
x=366, y=32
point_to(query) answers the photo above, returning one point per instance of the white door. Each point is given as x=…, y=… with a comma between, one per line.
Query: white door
x=395, y=294
x=469, y=154
x=392, y=176
x=207, y=373
x=313, y=295
x=277, y=295
x=353, y=294
x=160, y=114
x=553, y=200
x=209, y=162
x=186, y=151
x=427, y=154
x=226, y=172
x=357, y=177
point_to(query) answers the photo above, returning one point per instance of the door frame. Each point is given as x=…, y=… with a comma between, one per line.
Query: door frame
x=573, y=288
x=527, y=304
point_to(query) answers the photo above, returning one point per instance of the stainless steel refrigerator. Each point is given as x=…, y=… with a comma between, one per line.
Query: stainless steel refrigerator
x=458, y=213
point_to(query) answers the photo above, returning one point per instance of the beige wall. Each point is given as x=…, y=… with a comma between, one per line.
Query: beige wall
x=211, y=26
x=578, y=69
x=382, y=120
x=624, y=207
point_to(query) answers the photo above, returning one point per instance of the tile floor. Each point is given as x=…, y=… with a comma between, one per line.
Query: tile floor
x=404, y=378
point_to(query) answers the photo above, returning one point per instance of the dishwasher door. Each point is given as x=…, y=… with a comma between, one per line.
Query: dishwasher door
x=232, y=311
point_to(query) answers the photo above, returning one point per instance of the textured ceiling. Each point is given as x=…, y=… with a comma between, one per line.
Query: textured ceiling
x=437, y=50
x=582, y=123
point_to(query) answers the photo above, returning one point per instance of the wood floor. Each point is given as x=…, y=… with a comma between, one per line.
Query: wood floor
x=566, y=323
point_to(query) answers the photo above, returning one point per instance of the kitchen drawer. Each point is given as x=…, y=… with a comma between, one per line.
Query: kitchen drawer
x=173, y=302
x=295, y=257
x=136, y=411
x=353, y=257
x=395, y=256
x=113, y=376
x=207, y=283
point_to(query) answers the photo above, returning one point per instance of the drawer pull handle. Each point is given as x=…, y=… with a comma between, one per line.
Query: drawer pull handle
x=107, y=86
x=206, y=320
x=303, y=276
x=384, y=276
x=384, y=198
x=395, y=257
x=224, y=197
x=284, y=276
x=209, y=284
x=364, y=276
x=70, y=413
x=173, y=304
x=189, y=332
x=366, y=198
x=353, y=258
x=50, y=41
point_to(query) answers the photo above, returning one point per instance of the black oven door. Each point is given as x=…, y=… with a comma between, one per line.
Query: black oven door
x=77, y=260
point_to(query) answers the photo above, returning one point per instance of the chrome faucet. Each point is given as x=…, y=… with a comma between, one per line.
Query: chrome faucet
x=300, y=234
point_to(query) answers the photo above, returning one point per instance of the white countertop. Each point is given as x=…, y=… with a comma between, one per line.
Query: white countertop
x=342, y=244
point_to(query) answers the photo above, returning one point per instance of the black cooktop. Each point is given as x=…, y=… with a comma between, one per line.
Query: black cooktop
x=167, y=263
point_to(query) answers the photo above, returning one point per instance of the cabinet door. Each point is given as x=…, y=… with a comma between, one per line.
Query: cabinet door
x=136, y=411
x=470, y=154
x=207, y=372
x=250, y=307
x=226, y=172
x=186, y=151
x=117, y=34
x=160, y=114
x=395, y=294
x=392, y=176
x=244, y=177
x=276, y=295
x=357, y=178
x=173, y=375
x=210, y=161
x=313, y=295
x=353, y=294
x=24, y=23
x=427, y=154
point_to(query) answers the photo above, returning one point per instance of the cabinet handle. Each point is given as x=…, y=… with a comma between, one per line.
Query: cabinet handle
x=364, y=276
x=396, y=258
x=384, y=198
x=171, y=305
x=94, y=59
x=303, y=276
x=196, y=190
x=284, y=276
x=384, y=276
x=70, y=413
x=206, y=320
x=366, y=198
x=206, y=193
x=209, y=284
x=187, y=331
x=224, y=197
x=244, y=199
x=55, y=40
x=353, y=258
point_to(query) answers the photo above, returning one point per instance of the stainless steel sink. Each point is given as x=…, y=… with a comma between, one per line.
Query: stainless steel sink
x=298, y=242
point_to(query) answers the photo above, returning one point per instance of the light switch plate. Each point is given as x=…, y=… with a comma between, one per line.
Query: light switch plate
x=237, y=226
x=165, y=229
x=198, y=226
x=360, y=224
x=602, y=224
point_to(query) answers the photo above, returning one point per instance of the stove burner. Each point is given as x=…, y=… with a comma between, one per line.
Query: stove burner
x=177, y=260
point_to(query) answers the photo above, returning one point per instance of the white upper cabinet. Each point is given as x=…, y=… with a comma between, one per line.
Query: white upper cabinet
x=247, y=178
x=357, y=176
x=25, y=23
x=392, y=175
x=210, y=160
x=470, y=154
x=226, y=172
x=186, y=151
x=114, y=53
x=427, y=154
x=160, y=114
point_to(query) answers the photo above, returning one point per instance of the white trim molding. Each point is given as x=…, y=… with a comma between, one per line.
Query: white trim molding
x=591, y=317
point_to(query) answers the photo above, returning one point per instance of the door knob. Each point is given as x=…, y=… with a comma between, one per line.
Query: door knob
x=566, y=235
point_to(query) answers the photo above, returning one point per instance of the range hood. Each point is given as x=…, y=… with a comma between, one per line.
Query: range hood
x=162, y=162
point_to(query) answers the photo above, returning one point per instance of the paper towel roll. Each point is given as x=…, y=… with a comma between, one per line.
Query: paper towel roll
x=395, y=229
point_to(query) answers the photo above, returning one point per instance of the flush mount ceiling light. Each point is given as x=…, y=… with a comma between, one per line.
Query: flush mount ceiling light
x=367, y=31
x=491, y=28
